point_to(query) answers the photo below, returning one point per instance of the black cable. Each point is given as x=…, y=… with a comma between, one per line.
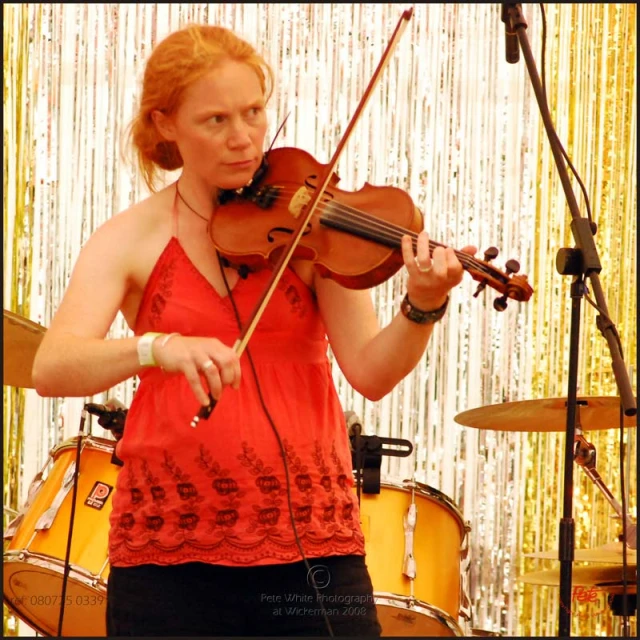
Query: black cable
x=282, y=453
x=67, y=557
x=564, y=153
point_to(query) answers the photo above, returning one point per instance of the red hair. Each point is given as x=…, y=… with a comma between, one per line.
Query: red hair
x=176, y=63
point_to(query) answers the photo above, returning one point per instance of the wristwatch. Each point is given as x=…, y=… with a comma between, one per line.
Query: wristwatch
x=418, y=315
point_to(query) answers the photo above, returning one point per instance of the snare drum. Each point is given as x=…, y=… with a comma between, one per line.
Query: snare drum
x=411, y=529
x=34, y=559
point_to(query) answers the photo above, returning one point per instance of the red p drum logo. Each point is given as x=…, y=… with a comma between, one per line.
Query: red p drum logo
x=99, y=495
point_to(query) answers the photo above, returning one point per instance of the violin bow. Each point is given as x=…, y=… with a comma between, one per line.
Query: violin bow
x=286, y=255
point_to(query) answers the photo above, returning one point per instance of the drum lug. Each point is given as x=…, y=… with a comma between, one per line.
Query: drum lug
x=34, y=488
x=465, y=567
x=464, y=547
x=465, y=603
x=12, y=527
x=46, y=519
x=409, y=564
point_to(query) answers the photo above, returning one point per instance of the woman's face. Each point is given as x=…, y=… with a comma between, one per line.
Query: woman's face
x=220, y=125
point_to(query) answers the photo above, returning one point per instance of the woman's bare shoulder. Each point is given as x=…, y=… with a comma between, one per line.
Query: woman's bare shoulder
x=142, y=219
x=126, y=246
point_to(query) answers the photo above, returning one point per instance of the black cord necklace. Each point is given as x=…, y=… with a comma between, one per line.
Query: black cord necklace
x=207, y=220
x=243, y=270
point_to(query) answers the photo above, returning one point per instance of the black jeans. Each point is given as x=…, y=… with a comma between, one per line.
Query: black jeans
x=197, y=599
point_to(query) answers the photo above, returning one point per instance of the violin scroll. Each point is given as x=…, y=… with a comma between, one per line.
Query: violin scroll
x=511, y=286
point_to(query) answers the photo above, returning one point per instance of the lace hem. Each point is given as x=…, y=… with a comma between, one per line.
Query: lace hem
x=266, y=552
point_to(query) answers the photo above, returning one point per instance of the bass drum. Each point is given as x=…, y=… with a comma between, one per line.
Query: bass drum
x=34, y=559
x=429, y=604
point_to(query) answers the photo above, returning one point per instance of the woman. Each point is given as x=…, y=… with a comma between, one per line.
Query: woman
x=202, y=528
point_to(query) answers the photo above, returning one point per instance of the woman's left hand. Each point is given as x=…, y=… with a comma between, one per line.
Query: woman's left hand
x=431, y=277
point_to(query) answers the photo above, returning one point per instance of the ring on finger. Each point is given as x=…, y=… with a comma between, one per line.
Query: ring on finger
x=207, y=365
x=422, y=269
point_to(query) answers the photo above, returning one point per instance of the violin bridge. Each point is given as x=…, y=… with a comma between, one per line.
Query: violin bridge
x=300, y=199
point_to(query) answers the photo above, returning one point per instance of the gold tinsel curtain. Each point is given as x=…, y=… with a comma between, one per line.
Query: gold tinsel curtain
x=460, y=130
x=591, y=88
x=18, y=164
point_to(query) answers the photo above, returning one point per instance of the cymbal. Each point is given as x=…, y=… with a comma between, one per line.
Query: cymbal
x=610, y=553
x=21, y=339
x=604, y=576
x=548, y=414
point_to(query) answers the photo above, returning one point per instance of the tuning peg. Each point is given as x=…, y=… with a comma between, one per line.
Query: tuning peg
x=500, y=304
x=480, y=288
x=512, y=266
x=490, y=254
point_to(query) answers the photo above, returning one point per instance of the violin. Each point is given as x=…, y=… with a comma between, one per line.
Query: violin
x=354, y=238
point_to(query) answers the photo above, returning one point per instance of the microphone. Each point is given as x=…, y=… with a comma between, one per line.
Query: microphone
x=97, y=409
x=512, y=47
x=109, y=418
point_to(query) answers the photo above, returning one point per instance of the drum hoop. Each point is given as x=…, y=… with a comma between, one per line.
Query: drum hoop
x=22, y=322
x=76, y=573
x=92, y=442
x=433, y=494
x=385, y=597
x=11, y=605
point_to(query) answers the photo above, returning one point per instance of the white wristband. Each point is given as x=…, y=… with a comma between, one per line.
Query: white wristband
x=145, y=349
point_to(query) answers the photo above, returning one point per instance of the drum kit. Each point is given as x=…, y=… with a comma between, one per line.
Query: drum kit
x=416, y=537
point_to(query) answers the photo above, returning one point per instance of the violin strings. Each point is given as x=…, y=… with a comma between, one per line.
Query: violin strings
x=361, y=220
x=369, y=222
x=386, y=230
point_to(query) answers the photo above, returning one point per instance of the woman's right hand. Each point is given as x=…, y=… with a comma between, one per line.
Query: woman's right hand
x=196, y=357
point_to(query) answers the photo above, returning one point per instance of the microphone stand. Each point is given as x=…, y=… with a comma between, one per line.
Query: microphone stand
x=579, y=262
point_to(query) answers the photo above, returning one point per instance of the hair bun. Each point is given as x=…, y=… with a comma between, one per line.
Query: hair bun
x=167, y=156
